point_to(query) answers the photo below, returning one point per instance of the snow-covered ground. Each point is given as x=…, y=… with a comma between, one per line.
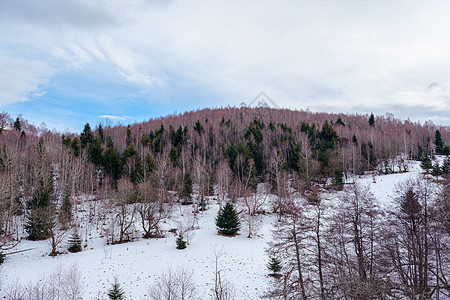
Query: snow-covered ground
x=138, y=264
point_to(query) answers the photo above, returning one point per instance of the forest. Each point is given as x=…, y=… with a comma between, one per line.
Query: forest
x=350, y=247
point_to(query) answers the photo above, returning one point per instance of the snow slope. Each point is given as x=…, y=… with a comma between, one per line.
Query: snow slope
x=138, y=264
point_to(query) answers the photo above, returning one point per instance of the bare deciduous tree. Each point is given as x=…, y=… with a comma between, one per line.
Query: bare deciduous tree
x=174, y=285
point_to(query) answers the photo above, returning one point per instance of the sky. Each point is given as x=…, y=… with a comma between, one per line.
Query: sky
x=68, y=62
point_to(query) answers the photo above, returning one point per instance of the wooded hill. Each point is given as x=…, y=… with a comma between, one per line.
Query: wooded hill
x=140, y=172
x=224, y=147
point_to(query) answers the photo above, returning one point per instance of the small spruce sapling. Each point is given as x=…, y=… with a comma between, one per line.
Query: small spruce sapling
x=426, y=164
x=116, y=292
x=274, y=265
x=181, y=244
x=74, y=243
x=2, y=255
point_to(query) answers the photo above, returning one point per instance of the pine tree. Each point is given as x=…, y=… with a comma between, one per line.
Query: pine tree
x=438, y=142
x=227, y=220
x=74, y=243
x=446, y=166
x=180, y=243
x=116, y=292
x=86, y=136
x=2, y=256
x=274, y=265
x=436, y=171
x=372, y=120
x=17, y=124
x=186, y=194
x=39, y=224
x=426, y=164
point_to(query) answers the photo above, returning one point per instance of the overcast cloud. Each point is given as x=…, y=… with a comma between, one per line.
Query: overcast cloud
x=336, y=56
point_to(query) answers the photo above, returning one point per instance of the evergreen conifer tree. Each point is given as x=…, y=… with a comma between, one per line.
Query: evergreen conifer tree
x=17, y=124
x=438, y=142
x=227, y=221
x=372, y=120
x=186, y=194
x=446, y=166
x=116, y=292
x=74, y=243
x=181, y=244
x=426, y=164
x=2, y=256
x=436, y=170
x=274, y=265
x=39, y=224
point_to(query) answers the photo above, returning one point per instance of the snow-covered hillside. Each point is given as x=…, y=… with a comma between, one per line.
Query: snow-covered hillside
x=138, y=264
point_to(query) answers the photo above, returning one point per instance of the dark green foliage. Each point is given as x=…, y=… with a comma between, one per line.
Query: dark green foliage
x=438, y=142
x=40, y=148
x=310, y=130
x=227, y=221
x=116, y=292
x=128, y=140
x=255, y=152
x=86, y=136
x=254, y=129
x=129, y=152
x=17, y=125
x=446, y=150
x=177, y=137
x=372, y=120
x=95, y=151
x=186, y=194
x=436, y=170
x=111, y=161
x=368, y=152
x=426, y=163
x=41, y=196
x=338, y=180
x=137, y=172
x=354, y=140
x=446, y=166
x=149, y=164
x=271, y=126
x=274, y=265
x=409, y=205
x=74, y=243
x=101, y=133
x=66, y=141
x=131, y=159
x=2, y=256
x=198, y=127
x=421, y=152
x=339, y=121
x=180, y=243
x=294, y=153
x=328, y=137
x=66, y=207
x=157, y=140
x=39, y=224
x=76, y=146
x=173, y=154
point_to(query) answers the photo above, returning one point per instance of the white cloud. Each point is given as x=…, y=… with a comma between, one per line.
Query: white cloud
x=114, y=117
x=325, y=55
x=22, y=79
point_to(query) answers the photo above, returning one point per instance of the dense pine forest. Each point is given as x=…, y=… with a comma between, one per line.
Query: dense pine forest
x=327, y=252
